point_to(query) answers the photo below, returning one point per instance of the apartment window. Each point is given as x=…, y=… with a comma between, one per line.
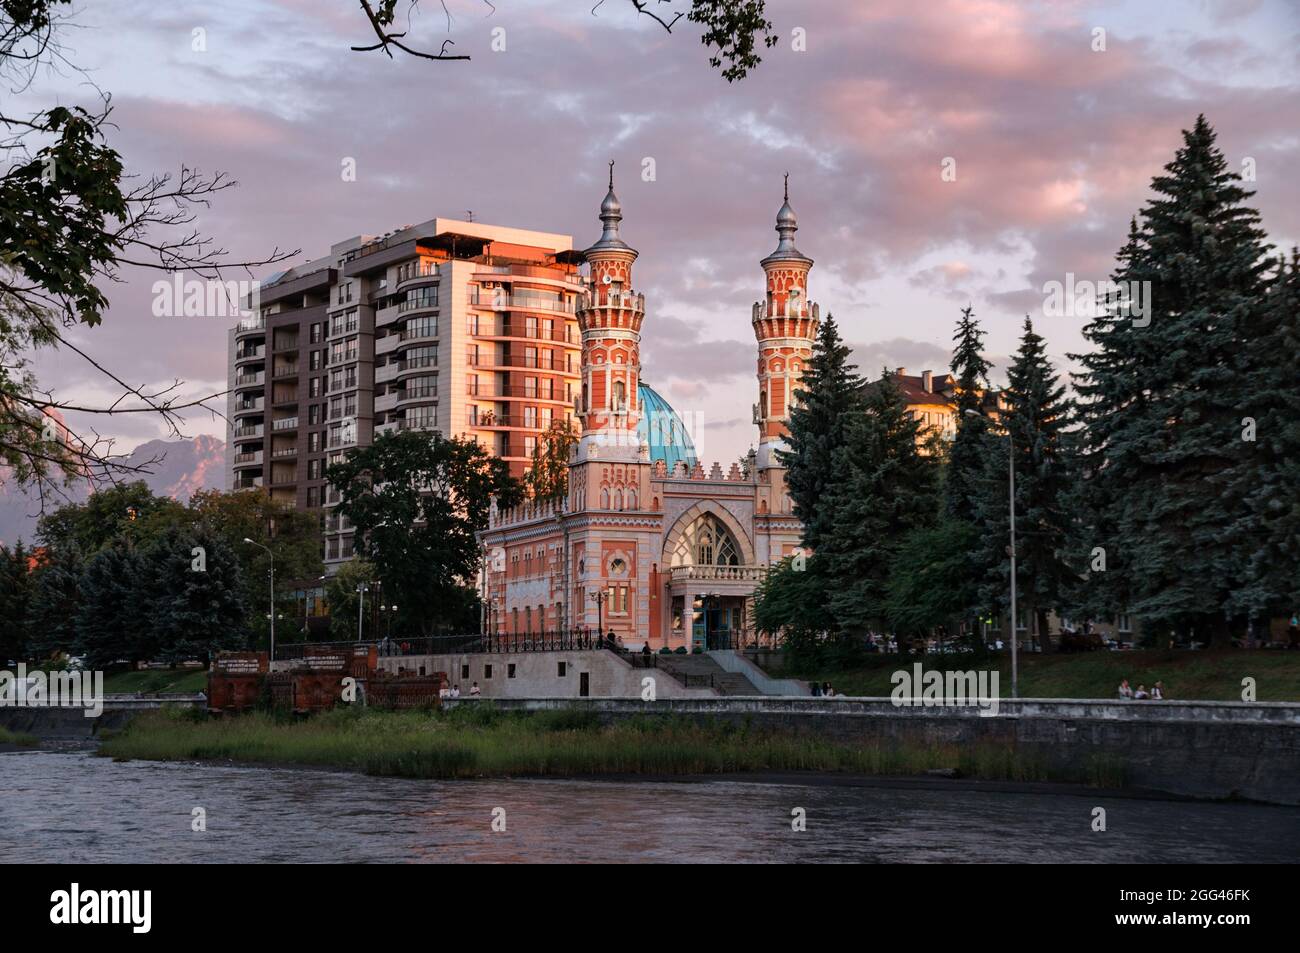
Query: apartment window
x=471, y=355
x=510, y=670
x=1124, y=624
x=548, y=329
x=530, y=326
x=314, y=467
x=313, y=414
x=313, y=442
x=471, y=323
x=530, y=416
x=530, y=386
x=487, y=671
x=350, y=376
x=426, y=356
x=350, y=405
x=346, y=548
x=313, y=496
x=530, y=446
x=473, y=385
x=530, y=357
x=314, y=387
x=563, y=669
x=422, y=386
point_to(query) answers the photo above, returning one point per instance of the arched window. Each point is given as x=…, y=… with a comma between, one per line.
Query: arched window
x=706, y=542
x=620, y=395
x=762, y=404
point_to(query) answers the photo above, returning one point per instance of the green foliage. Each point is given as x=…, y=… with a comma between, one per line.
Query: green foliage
x=1036, y=416
x=732, y=28
x=17, y=588
x=124, y=513
x=56, y=600
x=547, y=478
x=970, y=368
x=1162, y=404
x=192, y=596
x=829, y=397
x=417, y=500
x=881, y=488
x=931, y=587
x=343, y=598
x=112, y=623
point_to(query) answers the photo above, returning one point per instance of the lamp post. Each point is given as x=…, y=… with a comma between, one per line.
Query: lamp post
x=272, y=555
x=1011, y=550
x=361, y=606
x=599, y=596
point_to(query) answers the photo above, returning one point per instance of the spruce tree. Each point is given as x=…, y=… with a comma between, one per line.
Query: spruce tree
x=965, y=457
x=112, y=620
x=829, y=396
x=1268, y=532
x=1034, y=422
x=1162, y=398
x=882, y=487
x=15, y=601
x=56, y=599
x=192, y=590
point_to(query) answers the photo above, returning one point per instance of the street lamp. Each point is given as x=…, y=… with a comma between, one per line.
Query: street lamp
x=1011, y=476
x=361, y=590
x=599, y=596
x=272, y=614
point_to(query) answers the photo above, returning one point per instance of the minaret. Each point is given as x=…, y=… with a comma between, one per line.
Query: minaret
x=785, y=325
x=610, y=316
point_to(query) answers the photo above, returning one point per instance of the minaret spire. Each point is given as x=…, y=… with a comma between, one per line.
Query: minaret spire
x=611, y=213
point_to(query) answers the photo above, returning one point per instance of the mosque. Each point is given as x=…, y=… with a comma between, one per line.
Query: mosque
x=649, y=542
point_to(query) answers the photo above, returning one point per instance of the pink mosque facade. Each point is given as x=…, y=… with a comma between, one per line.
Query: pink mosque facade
x=659, y=555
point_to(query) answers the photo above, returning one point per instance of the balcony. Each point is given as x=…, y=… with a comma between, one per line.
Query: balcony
x=254, y=379
x=523, y=392
x=285, y=343
x=284, y=423
x=250, y=353
x=491, y=421
x=748, y=575
x=520, y=301
x=418, y=423
x=418, y=303
x=386, y=372
x=251, y=406
x=630, y=300
x=249, y=483
x=543, y=362
x=254, y=430
x=386, y=402
x=251, y=459
x=251, y=325
x=419, y=330
x=285, y=370
x=285, y=453
x=523, y=331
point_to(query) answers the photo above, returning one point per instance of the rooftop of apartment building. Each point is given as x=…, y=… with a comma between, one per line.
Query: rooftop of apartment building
x=445, y=238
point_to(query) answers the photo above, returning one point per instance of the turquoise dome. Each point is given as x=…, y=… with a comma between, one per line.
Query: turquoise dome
x=661, y=429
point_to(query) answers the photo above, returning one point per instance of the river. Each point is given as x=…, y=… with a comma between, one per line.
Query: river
x=73, y=807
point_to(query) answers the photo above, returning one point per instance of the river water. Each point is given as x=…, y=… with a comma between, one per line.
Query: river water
x=73, y=807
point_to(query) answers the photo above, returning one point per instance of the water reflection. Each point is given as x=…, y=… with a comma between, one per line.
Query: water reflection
x=72, y=807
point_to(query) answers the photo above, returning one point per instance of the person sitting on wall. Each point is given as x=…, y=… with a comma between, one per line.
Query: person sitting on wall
x=816, y=689
x=455, y=691
x=827, y=690
x=1125, y=691
x=474, y=690
x=444, y=692
x=1158, y=691
x=1141, y=692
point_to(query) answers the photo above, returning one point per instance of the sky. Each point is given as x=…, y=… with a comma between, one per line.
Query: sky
x=940, y=153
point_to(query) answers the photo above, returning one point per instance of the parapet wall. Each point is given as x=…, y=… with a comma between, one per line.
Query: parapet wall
x=1196, y=749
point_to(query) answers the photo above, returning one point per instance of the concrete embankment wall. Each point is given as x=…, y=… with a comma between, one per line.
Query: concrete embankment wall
x=71, y=724
x=539, y=674
x=1199, y=749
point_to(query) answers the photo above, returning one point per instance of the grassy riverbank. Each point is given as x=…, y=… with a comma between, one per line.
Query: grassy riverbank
x=1203, y=676
x=184, y=680
x=8, y=737
x=484, y=742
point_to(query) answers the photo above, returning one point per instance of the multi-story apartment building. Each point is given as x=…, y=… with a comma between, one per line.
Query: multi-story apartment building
x=457, y=327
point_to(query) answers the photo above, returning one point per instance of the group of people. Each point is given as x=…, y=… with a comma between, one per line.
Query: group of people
x=824, y=689
x=454, y=691
x=1156, y=693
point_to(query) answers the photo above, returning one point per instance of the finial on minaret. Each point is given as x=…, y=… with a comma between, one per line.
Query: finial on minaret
x=787, y=183
x=611, y=213
x=786, y=226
